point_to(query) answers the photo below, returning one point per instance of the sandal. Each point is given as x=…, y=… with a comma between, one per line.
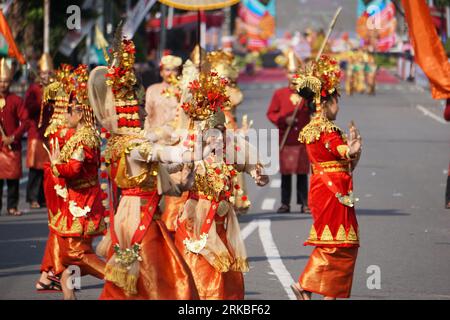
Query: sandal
x=14, y=212
x=51, y=287
x=298, y=292
x=35, y=205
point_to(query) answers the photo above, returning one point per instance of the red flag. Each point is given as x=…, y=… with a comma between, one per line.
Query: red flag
x=429, y=51
x=13, y=51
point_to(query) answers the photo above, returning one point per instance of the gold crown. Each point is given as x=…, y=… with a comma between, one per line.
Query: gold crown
x=45, y=63
x=5, y=70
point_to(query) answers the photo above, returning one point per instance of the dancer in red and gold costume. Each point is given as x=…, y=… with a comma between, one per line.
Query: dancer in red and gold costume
x=13, y=124
x=224, y=63
x=329, y=271
x=38, y=121
x=80, y=217
x=208, y=232
x=55, y=101
x=143, y=262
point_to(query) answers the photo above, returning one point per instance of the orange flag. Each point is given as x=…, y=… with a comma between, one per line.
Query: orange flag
x=429, y=52
x=13, y=51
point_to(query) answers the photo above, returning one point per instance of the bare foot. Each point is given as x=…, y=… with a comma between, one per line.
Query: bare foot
x=68, y=292
x=328, y=298
x=300, y=293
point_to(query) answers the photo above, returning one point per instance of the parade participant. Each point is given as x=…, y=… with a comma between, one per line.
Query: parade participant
x=80, y=217
x=36, y=155
x=142, y=260
x=370, y=70
x=208, y=233
x=293, y=157
x=13, y=124
x=224, y=64
x=335, y=234
x=162, y=107
x=55, y=101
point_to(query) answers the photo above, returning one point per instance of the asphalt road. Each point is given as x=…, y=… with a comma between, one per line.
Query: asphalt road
x=405, y=230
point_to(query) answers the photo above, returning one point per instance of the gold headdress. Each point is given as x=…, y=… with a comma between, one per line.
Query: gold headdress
x=224, y=64
x=5, y=70
x=57, y=94
x=206, y=96
x=321, y=77
x=45, y=63
x=79, y=94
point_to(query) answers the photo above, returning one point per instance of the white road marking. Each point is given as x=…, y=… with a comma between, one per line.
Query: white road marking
x=249, y=228
x=268, y=204
x=430, y=114
x=276, y=183
x=273, y=256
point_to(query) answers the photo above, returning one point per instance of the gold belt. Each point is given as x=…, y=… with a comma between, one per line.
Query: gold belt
x=332, y=166
x=82, y=183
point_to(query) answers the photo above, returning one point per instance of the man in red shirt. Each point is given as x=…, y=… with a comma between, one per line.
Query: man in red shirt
x=36, y=154
x=13, y=123
x=293, y=157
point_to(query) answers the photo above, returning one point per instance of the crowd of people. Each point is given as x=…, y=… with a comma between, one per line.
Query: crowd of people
x=151, y=178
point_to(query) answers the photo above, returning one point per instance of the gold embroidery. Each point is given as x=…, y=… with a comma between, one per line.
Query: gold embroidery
x=145, y=150
x=352, y=235
x=344, y=151
x=326, y=234
x=78, y=154
x=332, y=166
x=312, y=233
x=312, y=131
x=86, y=136
x=341, y=236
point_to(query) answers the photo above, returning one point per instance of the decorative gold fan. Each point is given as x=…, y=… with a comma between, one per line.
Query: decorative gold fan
x=199, y=4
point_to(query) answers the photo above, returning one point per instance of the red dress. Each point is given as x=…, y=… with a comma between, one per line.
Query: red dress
x=14, y=121
x=80, y=216
x=293, y=157
x=51, y=260
x=36, y=154
x=335, y=233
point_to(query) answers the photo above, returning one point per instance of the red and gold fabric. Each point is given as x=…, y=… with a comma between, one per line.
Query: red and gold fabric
x=335, y=223
x=215, y=253
x=329, y=272
x=211, y=283
x=55, y=192
x=82, y=214
x=293, y=157
x=173, y=206
x=143, y=262
x=14, y=122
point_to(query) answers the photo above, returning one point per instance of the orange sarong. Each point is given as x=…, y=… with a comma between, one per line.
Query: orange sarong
x=329, y=271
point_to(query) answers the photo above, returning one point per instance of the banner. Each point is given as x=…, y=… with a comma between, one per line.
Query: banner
x=7, y=44
x=429, y=52
x=377, y=24
x=256, y=24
